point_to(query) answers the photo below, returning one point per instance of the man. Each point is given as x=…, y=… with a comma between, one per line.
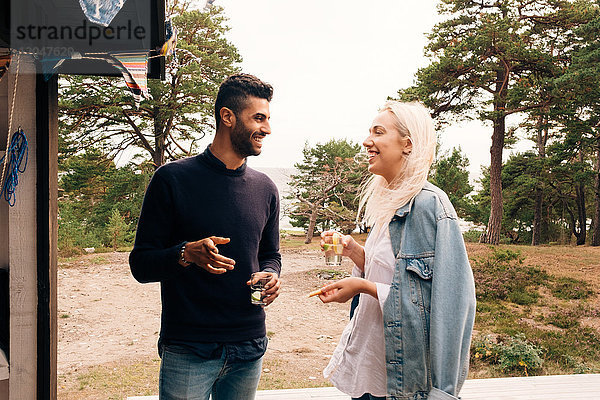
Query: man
x=207, y=223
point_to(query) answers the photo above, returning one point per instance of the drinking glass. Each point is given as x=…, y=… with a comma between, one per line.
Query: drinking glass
x=333, y=251
x=258, y=280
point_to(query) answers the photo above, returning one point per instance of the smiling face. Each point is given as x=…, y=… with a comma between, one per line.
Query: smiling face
x=387, y=148
x=251, y=127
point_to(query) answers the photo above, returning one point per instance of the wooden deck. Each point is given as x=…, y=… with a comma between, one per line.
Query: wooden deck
x=554, y=387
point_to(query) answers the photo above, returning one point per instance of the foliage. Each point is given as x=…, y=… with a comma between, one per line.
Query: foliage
x=99, y=111
x=515, y=353
x=490, y=60
x=518, y=183
x=92, y=192
x=502, y=276
x=449, y=173
x=116, y=229
x=477, y=55
x=325, y=189
x=522, y=173
x=519, y=354
x=74, y=233
x=471, y=236
x=564, y=320
x=553, y=323
x=567, y=288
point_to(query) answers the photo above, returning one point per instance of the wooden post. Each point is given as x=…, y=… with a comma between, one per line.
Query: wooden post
x=47, y=234
x=28, y=236
x=22, y=243
x=3, y=218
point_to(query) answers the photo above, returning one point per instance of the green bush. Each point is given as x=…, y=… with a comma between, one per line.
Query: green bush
x=564, y=320
x=503, y=276
x=472, y=236
x=571, y=289
x=514, y=354
x=518, y=354
x=523, y=297
x=485, y=349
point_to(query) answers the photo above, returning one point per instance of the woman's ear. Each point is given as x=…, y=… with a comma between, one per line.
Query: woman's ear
x=408, y=148
x=227, y=117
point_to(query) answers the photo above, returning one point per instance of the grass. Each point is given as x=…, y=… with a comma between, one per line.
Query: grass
x=112, y=381
x=280, y=374
x=545, y=312
x=532, y=301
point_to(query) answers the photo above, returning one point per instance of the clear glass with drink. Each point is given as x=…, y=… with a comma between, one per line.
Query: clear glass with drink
x=258, y=280
x=333, y=251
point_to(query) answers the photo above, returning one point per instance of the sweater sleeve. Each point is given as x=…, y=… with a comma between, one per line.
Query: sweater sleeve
x=154, y=256
x=269, y=257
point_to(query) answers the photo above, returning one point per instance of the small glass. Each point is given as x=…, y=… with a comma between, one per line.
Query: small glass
x=333, y=254
x=258, y=280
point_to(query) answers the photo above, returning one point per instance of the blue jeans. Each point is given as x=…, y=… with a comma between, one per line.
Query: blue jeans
x=185, y=376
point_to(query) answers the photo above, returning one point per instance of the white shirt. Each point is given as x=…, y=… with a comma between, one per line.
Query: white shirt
x=357, y=365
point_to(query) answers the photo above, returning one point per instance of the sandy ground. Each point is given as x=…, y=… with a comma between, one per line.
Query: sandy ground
x=105, y=316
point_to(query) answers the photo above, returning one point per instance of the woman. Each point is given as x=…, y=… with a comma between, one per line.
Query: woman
x=409, y=337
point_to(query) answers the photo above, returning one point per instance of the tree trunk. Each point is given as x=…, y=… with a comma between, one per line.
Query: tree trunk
x=492, y=233
x=537, y=216
x=596, y=233
x=542, y=137
x=494, y=226
x=312, y=222
x=581, y=214
x=159, y=139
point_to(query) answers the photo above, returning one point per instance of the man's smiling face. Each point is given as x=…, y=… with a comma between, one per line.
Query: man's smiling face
x=251, y=126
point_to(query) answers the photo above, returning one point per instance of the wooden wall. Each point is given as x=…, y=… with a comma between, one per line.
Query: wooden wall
x=3, y=205
x=22, y=244
x=28, y=233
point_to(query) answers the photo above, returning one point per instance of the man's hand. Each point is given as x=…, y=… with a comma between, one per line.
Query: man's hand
x=205, y=254
x=272, y=289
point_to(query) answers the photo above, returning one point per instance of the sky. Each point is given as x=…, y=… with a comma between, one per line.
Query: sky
x=332, y=64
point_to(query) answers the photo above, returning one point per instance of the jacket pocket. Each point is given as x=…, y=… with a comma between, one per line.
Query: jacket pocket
x=420, y=274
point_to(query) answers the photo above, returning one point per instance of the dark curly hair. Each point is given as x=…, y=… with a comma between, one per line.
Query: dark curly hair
x=235, y=90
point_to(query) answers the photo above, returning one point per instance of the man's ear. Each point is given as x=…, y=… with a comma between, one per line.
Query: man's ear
x=227, y=117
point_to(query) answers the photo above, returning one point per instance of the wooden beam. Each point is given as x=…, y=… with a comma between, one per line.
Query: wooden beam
x=22, y=244
x=3, y=205
x=47, y=233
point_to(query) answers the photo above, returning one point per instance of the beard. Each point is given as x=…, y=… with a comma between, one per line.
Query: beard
x=241, y=141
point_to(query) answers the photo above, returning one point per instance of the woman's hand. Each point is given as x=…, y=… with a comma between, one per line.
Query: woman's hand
x=343, y=290
x=350, y=248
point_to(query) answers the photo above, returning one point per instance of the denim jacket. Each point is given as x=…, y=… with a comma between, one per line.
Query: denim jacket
x=429, y=313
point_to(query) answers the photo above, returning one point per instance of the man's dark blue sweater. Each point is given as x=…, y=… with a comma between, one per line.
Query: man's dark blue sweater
x=192, y=199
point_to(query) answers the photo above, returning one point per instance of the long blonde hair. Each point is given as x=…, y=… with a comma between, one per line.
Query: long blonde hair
x=381, y=199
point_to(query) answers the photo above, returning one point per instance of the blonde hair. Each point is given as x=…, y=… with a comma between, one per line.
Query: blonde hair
x=381, y=199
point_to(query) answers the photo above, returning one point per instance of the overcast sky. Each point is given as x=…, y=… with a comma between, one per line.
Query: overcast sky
x=332, y=63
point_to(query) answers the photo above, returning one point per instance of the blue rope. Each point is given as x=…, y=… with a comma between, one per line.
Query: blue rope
x=19, y=154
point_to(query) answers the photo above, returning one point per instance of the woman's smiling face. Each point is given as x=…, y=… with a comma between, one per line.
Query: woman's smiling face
x=386, y=147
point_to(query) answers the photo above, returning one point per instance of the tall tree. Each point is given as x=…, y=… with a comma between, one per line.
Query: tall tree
x=101, y=110
x=325, y=189
x=582, y=106
x=449, y=173
x=571, y=174
x=480, y=55
x=91, y=189
x=555, y=33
